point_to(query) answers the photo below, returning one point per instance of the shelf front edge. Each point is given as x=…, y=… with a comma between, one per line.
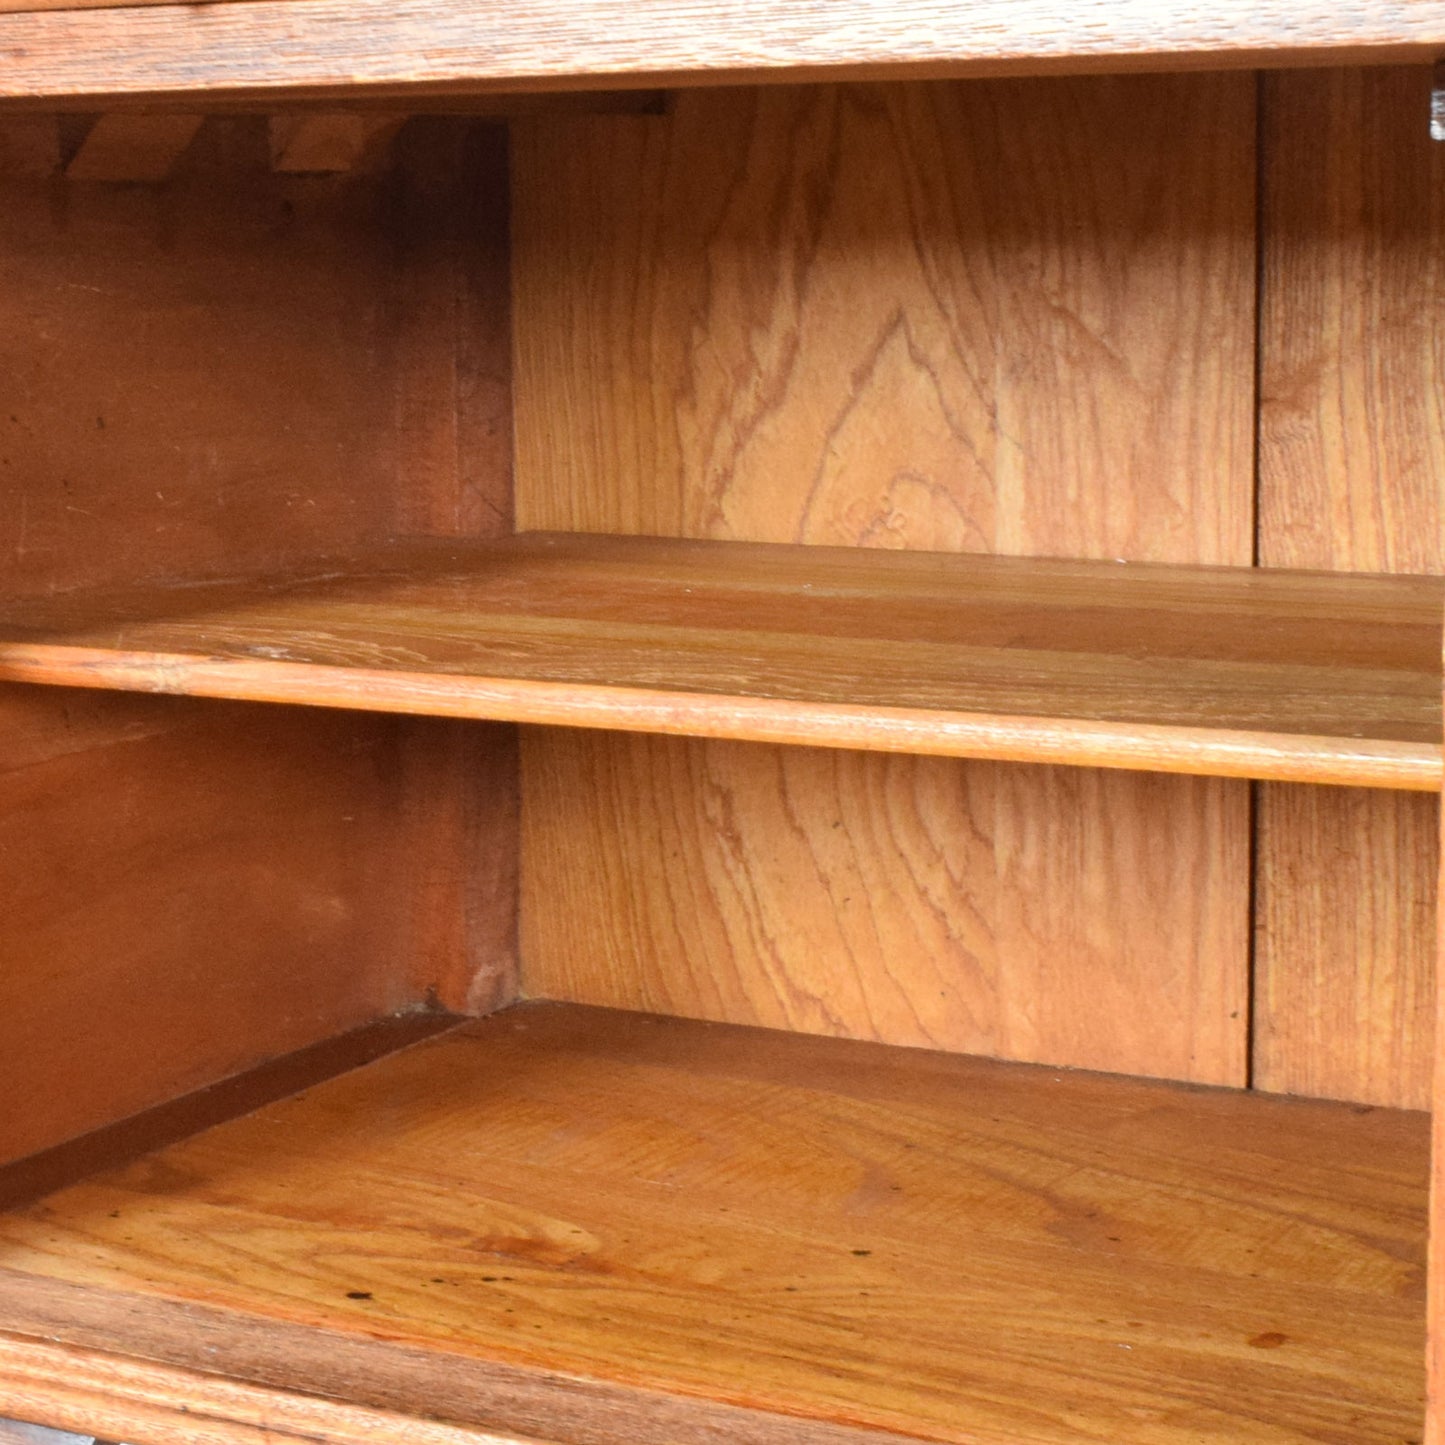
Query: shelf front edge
x=1147, y=747
x=294, y=46
x=109, y=1397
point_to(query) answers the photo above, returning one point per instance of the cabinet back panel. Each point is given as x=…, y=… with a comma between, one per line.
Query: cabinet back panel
x=1352, y=476
x=992, y=316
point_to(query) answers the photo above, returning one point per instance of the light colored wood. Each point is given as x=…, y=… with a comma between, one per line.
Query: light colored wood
x=901, y=899
x=1352, y=475
x=156, y=1405
x=1003, y=316
x=1195, y=670
x=1344, y=1004
x=61, y=1338
x=818, y=1229
x=279, y=46
x=895, y=316
x=140, y=148
x=330, y=142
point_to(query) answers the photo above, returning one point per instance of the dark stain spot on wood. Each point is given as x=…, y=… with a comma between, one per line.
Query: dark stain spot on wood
x=358, y=1294
x=1269, y=1340
x=861, y=1253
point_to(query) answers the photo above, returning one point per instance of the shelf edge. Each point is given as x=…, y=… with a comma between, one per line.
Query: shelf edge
x=110, y=1397
x=1148, y=747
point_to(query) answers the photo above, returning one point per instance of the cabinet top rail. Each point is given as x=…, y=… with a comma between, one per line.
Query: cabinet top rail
x=153, y=51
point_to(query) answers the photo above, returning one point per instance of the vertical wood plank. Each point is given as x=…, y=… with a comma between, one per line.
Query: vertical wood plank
x=1352, y=476
x=1001, y=316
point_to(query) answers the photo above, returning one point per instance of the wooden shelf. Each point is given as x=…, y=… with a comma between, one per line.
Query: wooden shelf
x=1314, y=677
x=277, y=48
x=577, y=1224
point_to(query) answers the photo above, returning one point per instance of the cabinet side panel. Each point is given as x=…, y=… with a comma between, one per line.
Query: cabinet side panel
x=1352, y=475
x=996, y=316
x=190, y=889
x=222, y=371
x=234, y=369
x=1435, y=1317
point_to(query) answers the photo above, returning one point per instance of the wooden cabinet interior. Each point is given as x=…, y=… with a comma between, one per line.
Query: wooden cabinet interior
x=454, y=423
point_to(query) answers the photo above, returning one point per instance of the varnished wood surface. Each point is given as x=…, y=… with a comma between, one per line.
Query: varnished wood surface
x=907, y=900
x=1005, y=316
x=155, y=1405
x=1008, y=316
x=826, y=1230
x=1435, y=1316
x=1352, y=475
x=190, y=888
x=287, y=45
x=26, y=1180
x=243, y=368
x=1233, y=671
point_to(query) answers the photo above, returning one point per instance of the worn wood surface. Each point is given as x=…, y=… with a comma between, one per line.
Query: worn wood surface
x=823, y=1229
x=995, y=317
x=155, y=1405
x=1352, y=475
x=189, y=889
x=235, y=368
x=58, y=1351
x=275, y=46
x=1315, y=675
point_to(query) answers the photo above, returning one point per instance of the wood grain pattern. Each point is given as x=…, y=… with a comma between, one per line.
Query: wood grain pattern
x=904, y=899
x=995, y=317
x=1352, y=457
x=155, y=1405
x=280, y=46
x=59, y=1351
x=822, y=1229
x=1314, y=675
x=894, y=316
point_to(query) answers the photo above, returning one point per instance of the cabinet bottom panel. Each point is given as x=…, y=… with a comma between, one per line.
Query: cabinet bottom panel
x=573, y=1224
